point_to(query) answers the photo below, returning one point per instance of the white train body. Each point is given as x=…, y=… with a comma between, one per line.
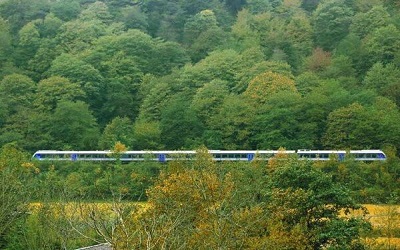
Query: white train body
x=217, y=155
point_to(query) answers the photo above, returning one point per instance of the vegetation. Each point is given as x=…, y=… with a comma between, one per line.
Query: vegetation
x=198, y=204
x=224, y=74
x=157, y=74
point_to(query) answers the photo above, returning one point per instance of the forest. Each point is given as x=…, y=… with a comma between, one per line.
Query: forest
x=232, y=74
x=195, y=74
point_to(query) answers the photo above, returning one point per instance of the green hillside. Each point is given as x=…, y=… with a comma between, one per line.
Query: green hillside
x=83, y=74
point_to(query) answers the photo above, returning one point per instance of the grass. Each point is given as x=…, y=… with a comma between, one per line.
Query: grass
x=385, y=220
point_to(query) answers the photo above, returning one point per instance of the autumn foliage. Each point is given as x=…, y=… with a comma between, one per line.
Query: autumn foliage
x=199, y=205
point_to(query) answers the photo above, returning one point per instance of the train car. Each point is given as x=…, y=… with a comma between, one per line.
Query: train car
x=358, y=155
x=368, y=155
x=69, y=155
x=217, y=155
x=245, y=155
x=55, y=155
x=161, y=156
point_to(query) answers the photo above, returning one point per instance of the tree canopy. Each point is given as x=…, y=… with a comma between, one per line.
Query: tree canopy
x=137, y=59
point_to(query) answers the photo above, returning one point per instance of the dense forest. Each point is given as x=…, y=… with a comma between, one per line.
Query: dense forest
x=195, y=74
x=234, y=74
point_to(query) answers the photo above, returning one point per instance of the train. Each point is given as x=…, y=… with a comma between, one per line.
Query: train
x=217, y=155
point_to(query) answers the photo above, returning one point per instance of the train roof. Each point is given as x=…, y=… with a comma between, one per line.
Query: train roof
x=301, y=151
x=365, y=151
x=160, y=151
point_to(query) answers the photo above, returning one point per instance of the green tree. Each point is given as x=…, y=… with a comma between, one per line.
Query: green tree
x=366, y=5
x=383, y=44
x=302, y=196
x=77, y=71
x=324, y=97
x=16, y=92
x=279, y=123
x=243, y=31
x=257, y=67
x=366, y=23
x=353, y=46
x=220, y=64
x=41, y=62
x=50, y=25
x=310, y=5
x=180, y=128
x=120, y=129
x=96, y=11
x=19, y=13
x=134, y=18
x=74, y=127
x=388, y=122
x=202, y=34
x=234, y=6
x=207, y=42
x=147, y=135
x=343, y=125
x=16, y=182
x=342, y=69
x=171, y=55
x=353, y=126
x=65, y=10
x=299, y=31
x=199, y=23
x=139, y=49
x=154, y=101
x=232, y=124
x=259, y=6
x=78, y=35
x=384, y=79
x=29, y=41
x=208, y=99
x=307, y=81
x=5, y=40
x=331, y=22
x=379, y=77
x=54, y=89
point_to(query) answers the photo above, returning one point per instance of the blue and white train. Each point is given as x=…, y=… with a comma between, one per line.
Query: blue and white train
x=217, y=155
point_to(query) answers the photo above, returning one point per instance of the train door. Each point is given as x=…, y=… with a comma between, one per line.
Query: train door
x=250, y=156
x=161, y=157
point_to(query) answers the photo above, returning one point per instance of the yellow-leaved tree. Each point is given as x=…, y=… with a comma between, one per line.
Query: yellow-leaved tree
x=266, y=84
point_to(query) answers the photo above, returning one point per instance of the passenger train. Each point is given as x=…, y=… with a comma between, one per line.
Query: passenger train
x=217, y=155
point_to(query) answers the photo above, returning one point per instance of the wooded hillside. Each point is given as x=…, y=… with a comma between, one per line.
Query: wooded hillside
x=233, y=74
